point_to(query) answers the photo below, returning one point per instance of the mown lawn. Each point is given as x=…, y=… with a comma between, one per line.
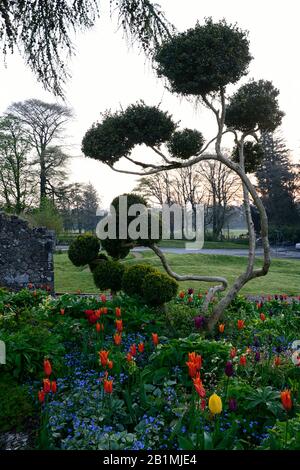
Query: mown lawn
x=284, y=275
x=207, y=244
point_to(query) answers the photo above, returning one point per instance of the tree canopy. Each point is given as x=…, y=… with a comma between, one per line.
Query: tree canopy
x=204, y=58
x=254, y=107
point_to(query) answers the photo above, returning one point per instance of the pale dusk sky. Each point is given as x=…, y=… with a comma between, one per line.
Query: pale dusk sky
x=106, y=73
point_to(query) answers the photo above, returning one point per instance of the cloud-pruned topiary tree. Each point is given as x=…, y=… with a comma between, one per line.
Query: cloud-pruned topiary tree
x=201, y=63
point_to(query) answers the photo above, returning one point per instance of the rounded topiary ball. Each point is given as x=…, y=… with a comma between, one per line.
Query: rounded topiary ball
x=158, y=288
x=117, y=249
x=84, y=249
x=185, y=144
x=205, y=58
x=108, y=275
x=133, y=278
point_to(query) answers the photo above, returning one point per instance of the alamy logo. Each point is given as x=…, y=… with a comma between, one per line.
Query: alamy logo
x=138, y=222
x=2, y=353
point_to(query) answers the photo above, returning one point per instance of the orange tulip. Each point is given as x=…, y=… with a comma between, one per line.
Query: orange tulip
x=243, y=360
x=118, y=312
x=98, y=313
x=103, y=357
x=192, y=368
x=233, y=352
x=108, y=386
x=41, y=396
x=132, y=349
x=262, y=317
x=119, y=325
x=141, y=347
x=110, y=364
x=53, y=386
x=286, y=400
x=199, y=386
x=46, y=385
x=221, y=328
x=197, y=359
x=241, y=324
x=277, y=361
x=98, y=327
x=47, y=367
x=181, y=294
x=155, y=339
x=117, y=338
x=129, y=357
x=104, y=310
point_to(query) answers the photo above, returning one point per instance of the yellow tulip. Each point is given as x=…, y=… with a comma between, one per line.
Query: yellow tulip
x=215, y=404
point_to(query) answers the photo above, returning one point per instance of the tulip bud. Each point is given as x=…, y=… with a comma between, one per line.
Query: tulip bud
x=229, y=369
x=215, y=404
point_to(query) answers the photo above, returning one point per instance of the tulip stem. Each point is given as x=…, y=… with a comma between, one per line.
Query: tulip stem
x=286, y=432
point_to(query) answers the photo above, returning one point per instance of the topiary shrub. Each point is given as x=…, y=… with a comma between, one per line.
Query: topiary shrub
x=108, y=275
x=84, y=249
x=133, y=278
x=158, y=288
x=185, y=144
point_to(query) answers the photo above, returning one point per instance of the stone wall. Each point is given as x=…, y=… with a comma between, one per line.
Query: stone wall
x=26, y=255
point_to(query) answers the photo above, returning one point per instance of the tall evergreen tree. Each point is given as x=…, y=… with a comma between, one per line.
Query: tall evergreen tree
x=276, y=182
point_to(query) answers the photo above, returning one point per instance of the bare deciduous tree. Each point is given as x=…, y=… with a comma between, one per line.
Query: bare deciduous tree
x=43, y=124
x=17, y=178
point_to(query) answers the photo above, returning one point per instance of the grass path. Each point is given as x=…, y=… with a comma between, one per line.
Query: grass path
x=284, y=275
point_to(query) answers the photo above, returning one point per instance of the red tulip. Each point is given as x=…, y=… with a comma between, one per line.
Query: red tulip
x=233, y=352
x=132, y=349
x=243, y=360
x=103, y=298
x=240, y=324
x=221, y=328
x=192, y=368
x=117, y=338
x=129, y=357
x=46, y=385
x=98, y=327
x=262, y=317
x=155, y=339
x=98, y=313
x=41, y=396
x=108, y=386
x=277, y=361
x=199, y=386
x=118, y=312
x=196, y=359
x=110, y=364
x=286, y=400
x=119, y=325
x=181, y=294
x=103, y=355
x=53, y=386
x=141, y=347
x=62, y=311
x=47, y=367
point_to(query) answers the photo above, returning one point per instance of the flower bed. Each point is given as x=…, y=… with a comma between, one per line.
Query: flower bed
x=113, y=373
